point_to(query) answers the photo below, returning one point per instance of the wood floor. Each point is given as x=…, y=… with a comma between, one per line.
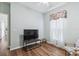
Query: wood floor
x=44, y=50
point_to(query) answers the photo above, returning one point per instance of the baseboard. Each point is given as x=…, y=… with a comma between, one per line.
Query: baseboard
x=15, y=48
x=22, y=46
x=54, y=44
x=51, y=43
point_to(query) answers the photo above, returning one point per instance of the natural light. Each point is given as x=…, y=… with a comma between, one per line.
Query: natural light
x=56, y=30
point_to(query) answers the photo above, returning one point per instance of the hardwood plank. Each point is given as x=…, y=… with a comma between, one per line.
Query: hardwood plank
x=13, y=53
x=56, y=50
x=24, y=53
x=35, y=52
x=41, y=52
x=19, y=52
x=44, y=50
x=29, y=53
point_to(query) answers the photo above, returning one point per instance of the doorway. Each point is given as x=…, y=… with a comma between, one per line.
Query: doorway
x=3, y=33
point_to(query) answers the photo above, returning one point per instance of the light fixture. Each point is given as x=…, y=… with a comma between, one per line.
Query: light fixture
x=45, y=3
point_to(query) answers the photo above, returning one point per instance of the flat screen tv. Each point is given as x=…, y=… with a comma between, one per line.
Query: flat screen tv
x=30, y=34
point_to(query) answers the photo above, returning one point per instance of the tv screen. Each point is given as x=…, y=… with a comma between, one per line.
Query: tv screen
x=30, y=34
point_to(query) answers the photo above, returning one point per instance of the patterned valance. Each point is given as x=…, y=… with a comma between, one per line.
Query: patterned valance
x=60, y=14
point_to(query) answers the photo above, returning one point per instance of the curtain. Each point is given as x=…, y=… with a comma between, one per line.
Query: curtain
x=58, y=15
x=57, y=25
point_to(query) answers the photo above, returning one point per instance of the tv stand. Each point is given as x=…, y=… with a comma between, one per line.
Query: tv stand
x=30, y=44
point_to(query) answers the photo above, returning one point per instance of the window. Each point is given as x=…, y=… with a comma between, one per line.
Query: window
x=56, y=30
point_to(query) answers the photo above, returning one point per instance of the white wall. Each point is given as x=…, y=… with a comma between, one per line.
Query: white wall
x=24, y=18
x=46, y=27
x=71, y=33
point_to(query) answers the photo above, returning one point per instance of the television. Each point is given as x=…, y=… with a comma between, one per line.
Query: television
x=30, y=34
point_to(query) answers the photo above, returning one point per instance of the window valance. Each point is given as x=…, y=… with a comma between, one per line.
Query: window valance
x=60, y=14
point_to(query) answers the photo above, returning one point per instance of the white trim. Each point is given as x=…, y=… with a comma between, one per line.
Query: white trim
x=15, y=48
x=24, y=45
x=50, y=42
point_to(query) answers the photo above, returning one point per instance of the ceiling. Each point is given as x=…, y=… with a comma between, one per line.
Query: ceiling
x=42, y=7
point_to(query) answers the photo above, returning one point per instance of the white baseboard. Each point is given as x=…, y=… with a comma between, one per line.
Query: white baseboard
x=50, y=42
x=23, y=46
x=15, y=48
